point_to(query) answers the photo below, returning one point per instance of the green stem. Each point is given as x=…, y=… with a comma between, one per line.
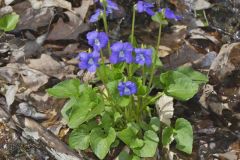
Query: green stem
x=133, y=24
x=106, y=27
x=102, y=57
x=132, y=39
x=141, y=110
x=134, y=110
x=205, y=16
x=155, y=56
x=154, y=99
x=143, y=74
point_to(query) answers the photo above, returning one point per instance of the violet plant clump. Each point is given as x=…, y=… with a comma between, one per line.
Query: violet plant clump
x=120, y=106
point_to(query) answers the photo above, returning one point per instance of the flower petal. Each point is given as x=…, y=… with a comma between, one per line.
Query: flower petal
x=112, y=5
x=114, y=58
x=169, y=14
x=103, y=38
x=117, y=47
x=83, y=56
x=128, y=57
x=91, y=36
x=92, y=68
x=95, y=16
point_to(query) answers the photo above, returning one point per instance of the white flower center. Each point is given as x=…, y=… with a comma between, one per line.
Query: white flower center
x=142, y=58
x=90, y=61
x=97, y=42
x=121, y=54
x=127, y=90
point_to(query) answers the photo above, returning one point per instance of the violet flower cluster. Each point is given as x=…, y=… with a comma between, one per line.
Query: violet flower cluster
x=109, y=9
x=89, y=61
x=121, y=52
x=147, y=7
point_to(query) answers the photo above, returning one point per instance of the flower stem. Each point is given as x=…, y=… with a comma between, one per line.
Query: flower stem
x=154, y=99
x=106, y=26
x=132, y=39
x=155, y=56
x=133, y=25
x=144, y=75
x=102, y=57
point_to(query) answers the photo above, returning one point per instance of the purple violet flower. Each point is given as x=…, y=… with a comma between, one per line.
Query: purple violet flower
x=127, y=88
x=98, y=40
x=169, y=14
x=110, y=7
x=143, y=56
x=145, y=7
x=89, y=61
x=95, y=16
x=121, y=52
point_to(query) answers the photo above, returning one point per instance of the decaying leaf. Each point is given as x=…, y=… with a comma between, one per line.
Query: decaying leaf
x=165, y=109
x=199, y=4
x=206, y=61
x=201, y=34
x=10, y=94
x=7, y=2
x=72, y=29
x=164, y=51
x=186, y=54
x=46, y=64
x=5, y=10
x=227, y=61
x=174, y=39
x=37, y=4
x=233, y=155
x=192, y=4
x=31, y=48
x=29, y=111
x=31, y=18
x=32, y=79
x=214, y=103
x=83, y=9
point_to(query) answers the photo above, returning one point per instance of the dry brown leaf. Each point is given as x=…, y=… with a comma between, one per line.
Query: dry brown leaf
x=201, y=34
x=233, y=155
x=227, y=61
x=5, y=10
x=199, y=4
x=164, y=106
x=38, y=4
x=83, y=9
x=176, y=38
x=68, y=30
x=187, y=54
x=57, y=3
x=10, y=94
x=46, y=64
x=32, y=79
x=7, y=2
x=31, y=18
x=191, y=4
x=29, y=111
x=164, y=51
